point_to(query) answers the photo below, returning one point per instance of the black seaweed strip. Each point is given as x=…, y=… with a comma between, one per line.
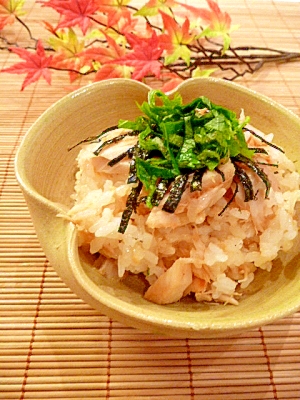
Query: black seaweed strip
x=93, y=138
x=137, y=152
x=115, y=140
x=108, y=142
x=258, y=150
x=230, y=200
x=251, y=164
x=243, y=177
x=160, y=191
x=264, y=140
x=120, y=157
x=196, y=183
x=176, y=192
x=220, y=173
x=132, y=177
x=131, y=204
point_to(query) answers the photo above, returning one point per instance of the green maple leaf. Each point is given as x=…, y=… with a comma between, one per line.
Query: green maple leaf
x=66, y=42
x=175, y=39
x=181, y=51
x=153, y=7
x=67, y=54
x=219, y=22
x=202, y=73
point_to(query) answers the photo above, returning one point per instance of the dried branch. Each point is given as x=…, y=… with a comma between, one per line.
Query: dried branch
x=71, y=50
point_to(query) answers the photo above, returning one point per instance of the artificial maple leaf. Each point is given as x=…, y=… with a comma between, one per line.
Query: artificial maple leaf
x=50, y=28
x=112, y=71
x=74, y=12
x=36, y=65
x=176, y=39
x=202, y=73
x=67, y=43
x=114, y=9
x=153, y=7
x=219, y=22
x=67, y=54
x=9, y=10
x=212, y=16
x=102, y=59
x=103, y=54
x=126, y=24
x=144, y=57
x=172, y=83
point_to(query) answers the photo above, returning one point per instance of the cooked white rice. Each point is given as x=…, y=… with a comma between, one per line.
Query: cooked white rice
x=193, y=251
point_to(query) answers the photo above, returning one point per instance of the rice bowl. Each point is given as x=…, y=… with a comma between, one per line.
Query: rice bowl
x=49, y=188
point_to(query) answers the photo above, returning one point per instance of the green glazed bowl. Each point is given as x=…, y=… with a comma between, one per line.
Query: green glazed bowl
x=45, y=171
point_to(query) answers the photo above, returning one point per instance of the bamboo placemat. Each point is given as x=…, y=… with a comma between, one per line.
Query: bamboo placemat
x=54, y=346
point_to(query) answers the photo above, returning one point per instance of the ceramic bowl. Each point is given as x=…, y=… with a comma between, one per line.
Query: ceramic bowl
x=45, y=171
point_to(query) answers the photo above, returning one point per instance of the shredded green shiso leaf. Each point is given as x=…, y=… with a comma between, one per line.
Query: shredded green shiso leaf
x=177, y=141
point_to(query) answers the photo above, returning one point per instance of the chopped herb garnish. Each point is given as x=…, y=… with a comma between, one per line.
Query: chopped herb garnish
x=176, y=142
x=184, y=139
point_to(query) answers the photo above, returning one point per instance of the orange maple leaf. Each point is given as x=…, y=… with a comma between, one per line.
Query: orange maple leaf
x=9, y=10
x=111, y=53
x=217, y=19
x=111, y=71
x=115, y=10
x=36, y=65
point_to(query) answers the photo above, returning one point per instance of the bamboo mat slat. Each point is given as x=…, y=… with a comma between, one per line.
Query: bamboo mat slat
x=54, y=346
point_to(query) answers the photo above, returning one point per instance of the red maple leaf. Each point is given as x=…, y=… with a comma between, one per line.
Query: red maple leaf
x=36, y=65
x=172, y=83
x=144, y=57
x=73, y=12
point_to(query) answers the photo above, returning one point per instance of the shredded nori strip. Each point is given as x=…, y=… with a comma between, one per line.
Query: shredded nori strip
x=196, y=183
x=108, y=142
x=120, y=157
x=94, y=139
x=264, y=140
x=160, y=191
x=252, y=165
x=230, y=200
x=220, y=173
x=131, y=205
x=175, y=194
x=258, y=150
x=132, y=174
x=243, y=177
